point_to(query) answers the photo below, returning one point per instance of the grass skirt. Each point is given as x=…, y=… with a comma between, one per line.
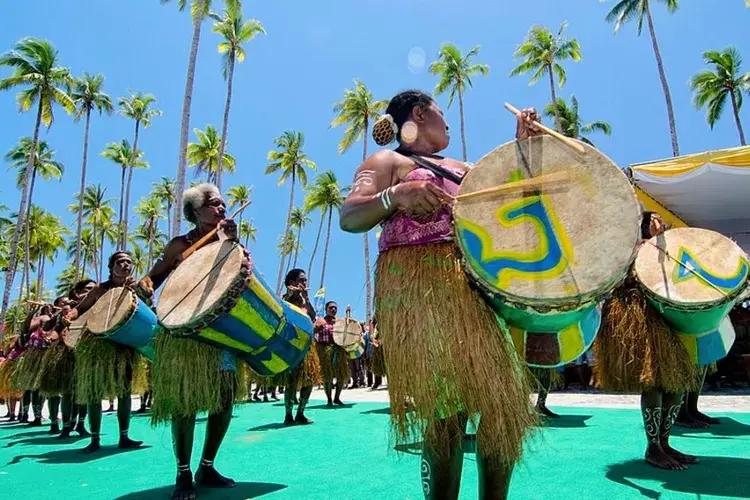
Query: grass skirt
x=188, y=379
x=26, y=368
x=57, y=370
x=377, y=361
x=7, y=388
x=635, y=350
x=545, y=377
x=106, y=370
x=446, y=349
x=308, y=372
x=333, y=363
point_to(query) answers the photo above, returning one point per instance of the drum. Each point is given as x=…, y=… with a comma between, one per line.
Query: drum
x=694, y=277
x=356, y=350
x=214, y=298
x=546, y=259
x=347, y=333
x=72, y=334
x=120, y=316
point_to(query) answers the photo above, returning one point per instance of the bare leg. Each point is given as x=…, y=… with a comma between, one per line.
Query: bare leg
x=290, y=394
x=545, y=382
x=494, y=475
x=304, y=397
x=442, y=462
x=54, y=410
x=339, y=388
x=218, y=423
x=95, y=421
x=671, y=402
x=123, y=420
x=327, y=390
x=183, y=430
x=37, y=402
x=81, y=426
x=651, y=410
x=68, y=417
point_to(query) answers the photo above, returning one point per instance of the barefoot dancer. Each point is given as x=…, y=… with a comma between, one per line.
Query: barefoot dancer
x=690, y=416
x=443, y=344
x=189, y=376
x=26, y=369
x=333, y=361
x=307, y=374
x=103, y=367
x=636, y=352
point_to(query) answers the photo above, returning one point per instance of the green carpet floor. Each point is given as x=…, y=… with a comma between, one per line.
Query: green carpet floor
x=586, y=454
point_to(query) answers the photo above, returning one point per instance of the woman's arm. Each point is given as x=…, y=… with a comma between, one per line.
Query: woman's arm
x=168, y=261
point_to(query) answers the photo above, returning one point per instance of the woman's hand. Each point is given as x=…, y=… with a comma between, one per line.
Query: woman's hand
x=146, y=286
x=525, y=124
x=229, y=228
x=420, y=197
x=70, y=316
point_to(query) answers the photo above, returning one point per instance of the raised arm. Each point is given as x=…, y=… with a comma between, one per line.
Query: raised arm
x=167, y=263
x=86, y=304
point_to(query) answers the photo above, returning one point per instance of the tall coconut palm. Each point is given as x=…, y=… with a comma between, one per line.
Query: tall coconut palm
x=88, y=96
x=712, y=87
x=286, y=246
x=48, y=238
x=164, y=191
x=199, y=11
x=239, y=195
x=89, y=253
x=45, y=85
x=327, y=196
x=125, y=157
x=247, y=231
x=204, y=154
x=637, y=10
x=299, y=220
x=454, y=71
x=236, y=31
x=150, y=210
x=137, y=107
x=542, y=53
x=292, y=162
x=140, y=263
x=67, y=279
x=356, y=110
x=97, y=213
x=571, y=122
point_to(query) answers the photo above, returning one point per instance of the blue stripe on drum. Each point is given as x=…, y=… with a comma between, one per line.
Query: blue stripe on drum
x=238, y=330
x=139, y=331
x=265, y=313
x=715, y=345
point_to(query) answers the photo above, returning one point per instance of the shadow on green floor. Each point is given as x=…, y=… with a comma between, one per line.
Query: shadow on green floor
x=44, y=440
x=719, y=476
x=566, y=421
x=324, y=406
x=728, y=427
x=240, y=492
x=379, y=411
x=74, y=455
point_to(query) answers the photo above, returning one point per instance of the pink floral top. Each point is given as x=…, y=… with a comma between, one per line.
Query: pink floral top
x=36, y=340
x=407, y=229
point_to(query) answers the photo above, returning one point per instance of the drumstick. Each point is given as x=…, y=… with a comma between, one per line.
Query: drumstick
x=557, y=135
x=195, y=246
x=534, y=182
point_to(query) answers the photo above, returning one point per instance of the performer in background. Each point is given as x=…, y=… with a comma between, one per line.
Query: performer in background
x=334, y=364
x=307, y=374
x=635, y=351
x=189, y=376
x=444, y=346
x=103, y=367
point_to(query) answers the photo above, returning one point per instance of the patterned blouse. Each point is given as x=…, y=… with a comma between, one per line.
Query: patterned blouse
x=324, y=332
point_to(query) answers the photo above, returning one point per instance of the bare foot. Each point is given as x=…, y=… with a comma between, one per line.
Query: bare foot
x=689, y=422
x=656, y=457
x=680, y=457
x=702, y=417
x=184, y=489
x=544, y=411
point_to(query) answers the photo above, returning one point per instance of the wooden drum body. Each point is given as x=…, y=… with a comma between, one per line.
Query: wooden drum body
x=545, y=260
x=215, y=298
x=120, y=316
x=694, y=277
x=72, y=334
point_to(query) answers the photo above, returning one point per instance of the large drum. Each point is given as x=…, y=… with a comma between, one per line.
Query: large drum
x=347, y=333
x=545, y=260
x=72, y=334
x=694, y=277
x=119, y=315
x=213, y=297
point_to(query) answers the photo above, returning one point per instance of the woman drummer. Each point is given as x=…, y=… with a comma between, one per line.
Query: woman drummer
x=334, y=364
x=444, y=345
x=636, y=352
x=186, y=366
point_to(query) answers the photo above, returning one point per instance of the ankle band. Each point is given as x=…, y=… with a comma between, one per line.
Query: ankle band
x=207, y=463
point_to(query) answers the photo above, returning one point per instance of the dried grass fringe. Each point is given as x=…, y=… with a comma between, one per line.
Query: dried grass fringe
x=188, y=379
x=635, y=349
x=539, y=377
x=56, y=373
x=26, y=369
x=7, y=387
x=447, y=351
x=308, y=372
x=105, y=369
x=377, y=363
x=333, y=363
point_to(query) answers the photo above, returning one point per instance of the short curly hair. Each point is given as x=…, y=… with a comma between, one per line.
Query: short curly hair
x=194, y=198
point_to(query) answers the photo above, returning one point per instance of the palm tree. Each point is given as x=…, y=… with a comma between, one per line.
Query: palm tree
x=150, y=211
x=712, y=88
x=89, y=254
x=239, y=195
x=636, y=10
x=455, y=71
x=292, y=162
x=48, y=234
x=327, y=196
x=44, y=165
x=136, y=107
x=286, y=246
x=88, y=96
x=204, y=154
x=542, y=53
x=356, y=110
x=247, y=231
x=98, y=214
x=235, y=31
x=164, y=191
x=299, y=220
x=45, y=84
x=570, y=120
x=67, y=279
x=199, y=11
x=126, y=158
x=140, y=262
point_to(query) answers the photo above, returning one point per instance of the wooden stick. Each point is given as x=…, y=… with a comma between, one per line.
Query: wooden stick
x=198, y=244
x=534, y=182
x=566, y=140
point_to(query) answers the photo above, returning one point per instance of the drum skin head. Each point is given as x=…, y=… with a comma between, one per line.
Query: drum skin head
x=72, y=335
x=200, y=283
x=111, y=310
x=347, y=335
x=569, y=244
x=720, y=267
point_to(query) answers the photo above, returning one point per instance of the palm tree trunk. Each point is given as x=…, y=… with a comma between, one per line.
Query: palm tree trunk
x=558, y=126
x=95, y=252
x=296, y=246
x=737, y=117
x=169, y=221
x=101, y=257
x=366, y=238
x=186, y=104
x=78, y=273
x=26, y=233
x=122, y=202
x=131, y=167
x=325, y=250
x=10, y=273
x=39, y=276
x=225, y=126
x=664, y=84
x=461, y=119
x=317, y=241
x=286, y=230
x=150, y=246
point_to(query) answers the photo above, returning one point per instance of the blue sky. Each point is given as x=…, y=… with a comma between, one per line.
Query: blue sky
x=292, y=77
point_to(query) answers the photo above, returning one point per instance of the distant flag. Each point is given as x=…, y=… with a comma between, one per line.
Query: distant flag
x=319, y=302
